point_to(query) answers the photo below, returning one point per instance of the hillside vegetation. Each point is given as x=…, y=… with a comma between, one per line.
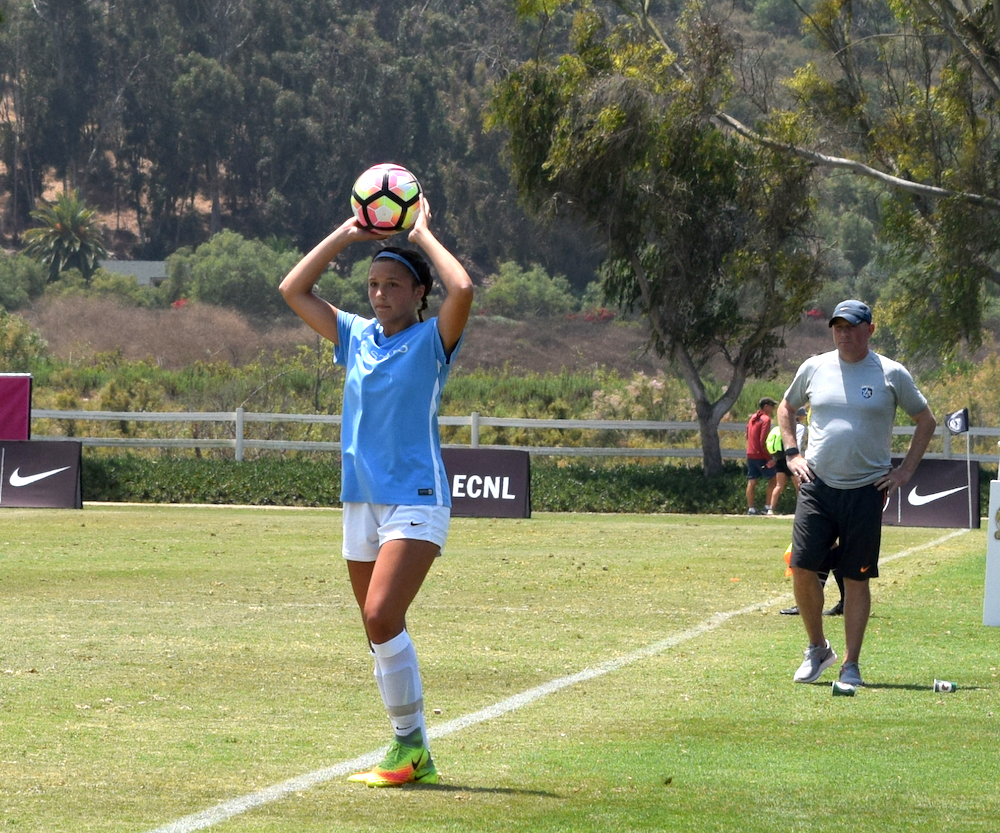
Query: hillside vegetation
x=97, y=353
x=105, y=356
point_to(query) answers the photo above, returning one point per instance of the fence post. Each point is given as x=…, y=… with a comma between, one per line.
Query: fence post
x=475, y=429
x=239, y=435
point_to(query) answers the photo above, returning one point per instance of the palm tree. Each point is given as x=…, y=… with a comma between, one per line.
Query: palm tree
x=68, y=237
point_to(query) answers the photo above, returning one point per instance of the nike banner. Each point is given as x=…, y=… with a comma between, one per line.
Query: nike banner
x=958, y=422
x=41, y=474
x=488, y=483
x=941, y=493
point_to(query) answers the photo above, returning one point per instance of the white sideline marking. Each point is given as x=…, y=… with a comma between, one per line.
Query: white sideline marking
x=236, y=806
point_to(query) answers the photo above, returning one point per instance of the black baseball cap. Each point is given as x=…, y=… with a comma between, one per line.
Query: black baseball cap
x=853, y=312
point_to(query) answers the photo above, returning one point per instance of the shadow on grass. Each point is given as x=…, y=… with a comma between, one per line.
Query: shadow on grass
x=889, y=686
x=914, y=687
x=459, y=788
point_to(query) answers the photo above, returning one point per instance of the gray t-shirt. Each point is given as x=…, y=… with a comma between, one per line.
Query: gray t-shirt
x=853, y=410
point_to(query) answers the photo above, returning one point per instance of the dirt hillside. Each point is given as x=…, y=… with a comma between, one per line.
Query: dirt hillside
x=76, y=329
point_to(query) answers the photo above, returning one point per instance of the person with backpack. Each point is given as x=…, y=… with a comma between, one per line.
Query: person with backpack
x=776, y=448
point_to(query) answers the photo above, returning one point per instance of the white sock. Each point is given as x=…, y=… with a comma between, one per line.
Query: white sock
x=398, y=677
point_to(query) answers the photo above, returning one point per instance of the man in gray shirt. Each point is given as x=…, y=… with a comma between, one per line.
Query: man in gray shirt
x=846, y=475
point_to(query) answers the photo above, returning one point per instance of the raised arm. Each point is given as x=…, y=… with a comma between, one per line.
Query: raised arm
x=297, y=285
x=454, y=312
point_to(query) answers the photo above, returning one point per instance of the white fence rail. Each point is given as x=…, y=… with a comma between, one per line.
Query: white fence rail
x=980, y=443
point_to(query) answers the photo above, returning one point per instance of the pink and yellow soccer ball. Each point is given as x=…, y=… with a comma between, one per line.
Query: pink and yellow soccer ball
x=386, y=197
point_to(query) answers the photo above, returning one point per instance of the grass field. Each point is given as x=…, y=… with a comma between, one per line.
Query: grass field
x=171, y=668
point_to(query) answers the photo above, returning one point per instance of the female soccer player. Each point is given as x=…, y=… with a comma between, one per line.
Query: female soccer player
x=395, y=494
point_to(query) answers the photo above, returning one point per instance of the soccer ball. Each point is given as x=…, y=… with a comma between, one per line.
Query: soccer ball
x=386, y=197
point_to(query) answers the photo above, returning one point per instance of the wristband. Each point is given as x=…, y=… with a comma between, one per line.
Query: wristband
x=791, y=452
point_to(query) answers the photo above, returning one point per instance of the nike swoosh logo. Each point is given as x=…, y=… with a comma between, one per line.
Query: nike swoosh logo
x=17, y=480
x=919, y=500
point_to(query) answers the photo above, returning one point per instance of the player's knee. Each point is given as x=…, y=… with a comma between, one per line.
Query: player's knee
x=381, y=623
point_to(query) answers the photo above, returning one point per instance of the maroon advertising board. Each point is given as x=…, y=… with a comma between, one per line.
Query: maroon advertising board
x=15, y=406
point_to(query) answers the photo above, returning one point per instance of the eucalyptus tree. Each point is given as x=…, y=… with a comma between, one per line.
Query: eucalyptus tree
x=208, y=97
x=50, y=71
x=912, y=89
x=706, y=234
x=905, y=94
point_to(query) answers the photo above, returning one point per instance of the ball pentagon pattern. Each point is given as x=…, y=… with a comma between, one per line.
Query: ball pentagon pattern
x=386, y=197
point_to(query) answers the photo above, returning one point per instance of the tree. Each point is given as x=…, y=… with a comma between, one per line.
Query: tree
x=68, y=237
x=21, y=348
x=514, y=292
x=229, y=271
x=705, y=232
x=209, y=96
x=905, y=94
x=21, y=280
x=913, y=89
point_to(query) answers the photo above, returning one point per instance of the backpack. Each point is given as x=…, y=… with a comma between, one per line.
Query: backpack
x=773, y=443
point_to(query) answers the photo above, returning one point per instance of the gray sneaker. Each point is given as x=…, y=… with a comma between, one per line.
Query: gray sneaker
x=817, y=659
x=851, y=674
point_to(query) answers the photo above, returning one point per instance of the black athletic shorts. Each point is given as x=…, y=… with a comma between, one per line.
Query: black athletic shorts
x=824, y=514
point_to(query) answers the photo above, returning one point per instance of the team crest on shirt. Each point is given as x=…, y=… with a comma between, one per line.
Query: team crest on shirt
x=867, y=391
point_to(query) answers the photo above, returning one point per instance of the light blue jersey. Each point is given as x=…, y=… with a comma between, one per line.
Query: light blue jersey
x=390, y=442
x=853, y=410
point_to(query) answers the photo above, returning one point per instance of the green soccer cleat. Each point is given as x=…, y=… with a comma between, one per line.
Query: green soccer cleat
x=403, y=764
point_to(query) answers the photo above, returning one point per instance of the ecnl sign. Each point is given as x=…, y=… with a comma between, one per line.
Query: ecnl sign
x=488, y=483
x=481, y=486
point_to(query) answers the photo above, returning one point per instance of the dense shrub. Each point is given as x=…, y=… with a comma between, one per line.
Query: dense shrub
x=556, y=486
x=21, y=280
x=347, y=292
x=263, y=482
x=514, y=293
x=22, y=349
x=231, y=272
x=635, y=487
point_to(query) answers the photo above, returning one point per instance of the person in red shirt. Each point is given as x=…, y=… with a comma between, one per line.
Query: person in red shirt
x=760, y=463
